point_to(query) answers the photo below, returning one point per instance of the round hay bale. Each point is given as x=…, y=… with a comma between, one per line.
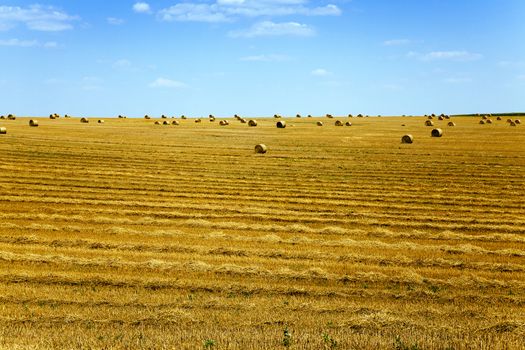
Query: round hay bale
x=281, y=124
x=84, y=120
x=488, y=121
x=517, y=121
x=145, y=117
x=3, y=130
x=236, y=116
x=211, y=116
x=261, y=148
x=252, y=122
x=165, y=122
x=33, y=122
x=2, y=116
x=451, y=124
x=309, y=116
x=276, y=116
x=164, y=116
x=197, y=120
x=407, y=139
x=183, y=117
x=52, y=116
x=298, y=116
x=224, y=123
x=11, y=117
x=447, y=117
x=67, y=116
x=437, y=133
x=319, y=123
x=350, y=116
x=509, y=120
x=338, y=123
x=441, y=118
x=429, y=123
x=485, y=117
x=175, y=122
x=512, y=123
x=212, y=119
x=348, y=124
x=157, y=122
x=242, y=120
x=359, y=115
x=430, y=117
x=498, y=118
x=100, y=121
x=482, y=121
x=329, y=116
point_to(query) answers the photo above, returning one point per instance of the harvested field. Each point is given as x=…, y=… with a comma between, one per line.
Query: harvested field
x=138, y=236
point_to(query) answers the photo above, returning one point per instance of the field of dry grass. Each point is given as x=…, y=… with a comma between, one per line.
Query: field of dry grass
x=129, y=235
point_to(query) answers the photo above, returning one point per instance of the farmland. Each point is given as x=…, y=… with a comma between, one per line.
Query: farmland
x=133, y=235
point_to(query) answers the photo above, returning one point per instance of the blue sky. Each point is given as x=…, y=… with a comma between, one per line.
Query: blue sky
x=260, y=57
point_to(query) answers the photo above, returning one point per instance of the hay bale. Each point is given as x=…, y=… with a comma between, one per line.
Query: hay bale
x=183, y=117
x=276, y=116
x=338, y=123
x=281, y=124
x=512, y=123
x=236, y=116
x=52, y=116
x=3, y=130
x=33, y=122
x=166, y=122
x=329, y=116
x=429, y=123
x=261, y=148
x=211, y=119
x=319, y=123
x=447, y=117
x=211, y=116
x=430, y=117
x=509, y=120
x=451, y=124
x=197, y=120
x=242, y=120
x=252, y=122
x=298, y=116
x=2, y=116
x=84, y=120
x=175, y=122
x=517, y=121
x=11, y=117
x=348, y=124
x=498, y=118
x=359, y=115
x=224, y=123
x=67, y=116
x=407, y=139
x=482, y=122
x=437, y=133
x=441, y=118
x=157, y=122
x=164, y=116
x=488, y=121
x=350, y=116
x=145, y=117
x=485, y=117
x=309, y=116
x=100, y=121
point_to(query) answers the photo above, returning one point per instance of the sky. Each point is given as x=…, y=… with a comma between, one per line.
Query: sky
x=261, y=57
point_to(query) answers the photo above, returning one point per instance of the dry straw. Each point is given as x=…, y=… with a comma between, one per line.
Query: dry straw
x=517, y=121
x=281, y=124
x=11, y=117
x=175, y=122
x=33, y=122
x=338, y=123
x=3, y=130
x=197, y=120
x=407, y=139
x=100, y=121
x=165, y=122
x=348, y=124
x=451, y=124
x=429, y=123
x=84, y=120
x=482, y=121
x=319, y=123
x=261, y=148
x=252, y=122
x=329, y=116
x=437, y=133
x=145, y=117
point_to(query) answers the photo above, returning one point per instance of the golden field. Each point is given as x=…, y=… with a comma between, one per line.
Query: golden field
x=130, y=235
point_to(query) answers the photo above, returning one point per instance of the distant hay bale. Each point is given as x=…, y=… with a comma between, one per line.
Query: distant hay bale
x=224, y=123
x=252, y=122
x=441, y=118
x=509, y=120
x=451, y=124
x=517, y=121
x=407, y=139
x=298, y=116
x=11, y=117
x=329, y=116
x=319, y=123
x=175, y=122
x=350, y=116
x=243, y=121
x=433, y=115
x=164, y=116
x=100, y=121
x=157, y=122
x=512, y=123
x=338, y=123
x=197, y=120
x=183, y=117
x=236, y=116
x=430, y=117
x=482, y=122
x=437, y=133
x=146, y=117
x=447, y=117
x=33, y=122
x=166, y=122
x=348, y=124
x=2, y=116
x=359, y=115
x=498, y=118
x=84, y=120
x=488, y=121
x=276, y=116
x=211, y=116
x=261, y=148
x=281, y=124
x=124, y=117
x=67, y=116
x=3, y=130
x=212, y=119
x=309, y=116
x=52, y=116
x=429, y=123
x=485, y=117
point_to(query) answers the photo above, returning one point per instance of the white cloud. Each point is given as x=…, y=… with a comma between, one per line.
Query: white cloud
x=35, y=17
x=320, y=72
x=166, y=83
x=265, y=58
x=268, y=28
x=115, y=21
x=141, y=7
x=397, y=42
x=27, y=43
x=229, y=10
x=445, y=55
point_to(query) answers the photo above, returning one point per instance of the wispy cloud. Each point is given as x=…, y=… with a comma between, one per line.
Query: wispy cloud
x=141, y=7
x=320, y=72
x=397, y=42
x=229, y=10
x=27, y=43
x=36, y=17
x=445, y=55
x=166, y=83
x=115, y=21
x=269, y=28
x=265, y=58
